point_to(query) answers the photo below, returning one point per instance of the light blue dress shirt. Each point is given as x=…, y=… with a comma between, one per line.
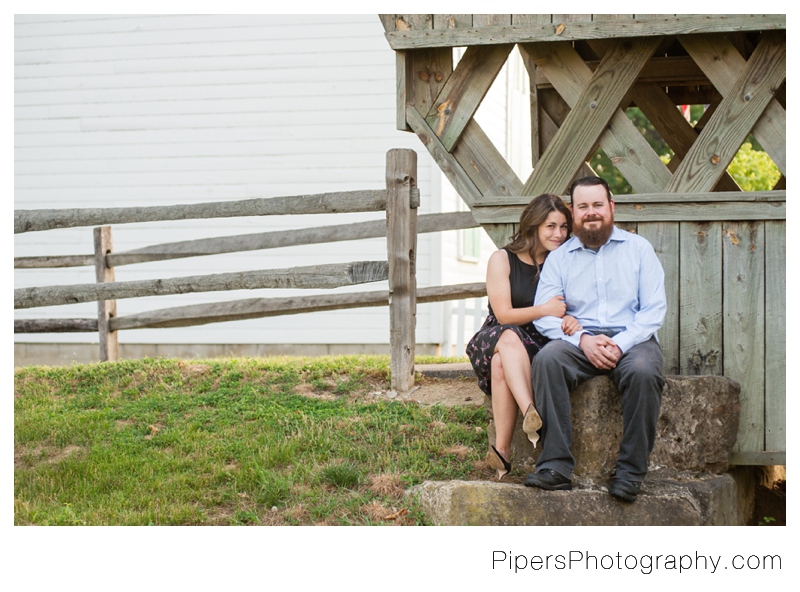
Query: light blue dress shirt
x=619, y=287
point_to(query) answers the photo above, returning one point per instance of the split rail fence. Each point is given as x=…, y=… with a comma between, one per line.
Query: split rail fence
x=400, y=200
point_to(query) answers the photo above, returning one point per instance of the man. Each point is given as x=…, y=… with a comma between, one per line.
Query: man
x=613, y=284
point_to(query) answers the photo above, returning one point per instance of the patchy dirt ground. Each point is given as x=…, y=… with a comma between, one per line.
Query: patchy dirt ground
x=448, y=392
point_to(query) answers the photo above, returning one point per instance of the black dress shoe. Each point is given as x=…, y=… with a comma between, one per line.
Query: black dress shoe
x=624, y=489
x=548, y=479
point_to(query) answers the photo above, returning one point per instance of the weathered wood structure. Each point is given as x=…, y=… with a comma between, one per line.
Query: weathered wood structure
x=723, y=249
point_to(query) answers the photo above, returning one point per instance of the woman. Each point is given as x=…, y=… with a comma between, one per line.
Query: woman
x=502, y=351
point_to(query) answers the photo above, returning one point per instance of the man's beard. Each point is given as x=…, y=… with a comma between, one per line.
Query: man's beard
x=594, y=238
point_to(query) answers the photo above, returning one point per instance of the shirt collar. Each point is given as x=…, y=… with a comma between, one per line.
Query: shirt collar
x=575, y=243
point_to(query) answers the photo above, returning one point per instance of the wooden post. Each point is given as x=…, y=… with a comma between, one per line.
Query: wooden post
x=106, y=309
x=401, y=244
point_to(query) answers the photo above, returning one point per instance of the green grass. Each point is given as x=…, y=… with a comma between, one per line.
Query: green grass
x=237, y=441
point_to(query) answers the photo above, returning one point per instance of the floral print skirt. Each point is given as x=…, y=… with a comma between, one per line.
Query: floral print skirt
x=480, y=349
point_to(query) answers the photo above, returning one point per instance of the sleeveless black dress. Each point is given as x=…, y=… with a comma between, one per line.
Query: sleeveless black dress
x=480, y=349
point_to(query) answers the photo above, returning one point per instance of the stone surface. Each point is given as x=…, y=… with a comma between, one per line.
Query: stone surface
x=696, y=430
x=707, y=501
x=446, y=371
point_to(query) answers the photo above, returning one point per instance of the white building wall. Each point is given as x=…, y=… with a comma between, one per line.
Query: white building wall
x=115, y=111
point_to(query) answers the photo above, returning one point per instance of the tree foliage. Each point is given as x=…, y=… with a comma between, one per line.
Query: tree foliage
x=753, y=169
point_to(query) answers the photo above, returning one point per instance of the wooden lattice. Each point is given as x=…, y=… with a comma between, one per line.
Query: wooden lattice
x=585, y=71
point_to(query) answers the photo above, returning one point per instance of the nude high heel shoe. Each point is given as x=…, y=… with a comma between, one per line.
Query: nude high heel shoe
x=531, y=423
x=496, y=461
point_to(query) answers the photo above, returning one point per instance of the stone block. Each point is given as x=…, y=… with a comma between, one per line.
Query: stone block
x=706, y=501
x=697, y=427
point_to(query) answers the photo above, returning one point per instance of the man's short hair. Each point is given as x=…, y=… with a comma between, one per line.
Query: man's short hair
x=588, y=182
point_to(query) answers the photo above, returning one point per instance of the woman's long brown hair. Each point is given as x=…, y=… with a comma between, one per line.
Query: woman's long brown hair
x=526, y=239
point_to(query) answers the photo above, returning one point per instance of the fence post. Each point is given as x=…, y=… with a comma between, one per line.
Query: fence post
x=109, y=346
x=401, y=243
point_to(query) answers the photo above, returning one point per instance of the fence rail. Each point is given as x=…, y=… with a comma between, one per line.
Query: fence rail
x=252, y=242
x=373, y=200
x=400, y=200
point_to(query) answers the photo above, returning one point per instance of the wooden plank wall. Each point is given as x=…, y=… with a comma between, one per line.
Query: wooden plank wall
x=726, y=302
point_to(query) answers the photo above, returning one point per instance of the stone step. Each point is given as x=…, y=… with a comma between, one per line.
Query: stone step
x=448, y=371
x=714, y=500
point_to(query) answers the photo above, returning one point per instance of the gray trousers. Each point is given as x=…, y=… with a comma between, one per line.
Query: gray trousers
x=560, y=367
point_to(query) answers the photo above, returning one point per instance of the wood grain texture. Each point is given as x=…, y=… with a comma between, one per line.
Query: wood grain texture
x=531, y=19
x=548, y=127
x=480, y=21
x=672, y=126
x=743, y=325
x=777, y=196
x=701, y=298
x=254, y=308
x=447, y=163
x=484, y=165
x=573, y=31
x=452, y=21
x=426, y=223
x=657, y=212
x=665, y=240
x=723, y=64
x=106, y=309
x=388, y=22
x=53, y=261
x=429, y=72
x=775, y=335
x=403, y=67
x=322, y=203
x=758, y=458
x=622, y=142
x=286, y=238
x=56, y=326
x=733, y=119
x=401, y=244
x=310, y=277
x=673, y=70
x=464, y=91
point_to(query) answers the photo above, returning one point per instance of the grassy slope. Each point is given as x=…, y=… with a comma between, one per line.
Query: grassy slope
x=240, y=441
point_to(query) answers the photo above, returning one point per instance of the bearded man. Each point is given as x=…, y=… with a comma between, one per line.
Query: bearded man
x=613, y=284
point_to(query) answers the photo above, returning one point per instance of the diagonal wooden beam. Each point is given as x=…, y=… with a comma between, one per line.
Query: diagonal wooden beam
x=490, y=171
x=671, y=125
x=464, y=90
x=594, y=100
x=732, y=121
x=622, y=142
x=722, y=63
x=475, y=167
x=660, y=109
x=484, y=164
x=549, y=129
x=448, y=164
